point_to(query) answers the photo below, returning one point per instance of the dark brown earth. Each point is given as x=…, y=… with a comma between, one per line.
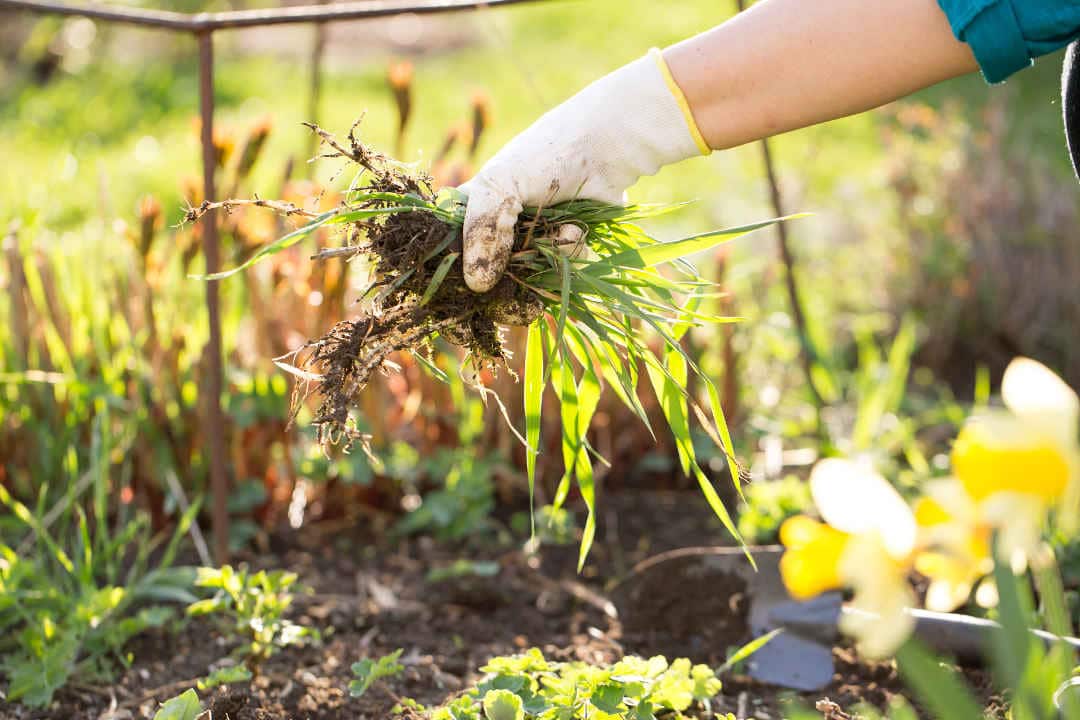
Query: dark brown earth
x=370, y=599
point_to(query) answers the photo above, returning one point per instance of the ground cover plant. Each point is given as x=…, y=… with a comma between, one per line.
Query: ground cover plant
x=79, y=585
x=530, y=687
x=592, y=306
x=252, y=607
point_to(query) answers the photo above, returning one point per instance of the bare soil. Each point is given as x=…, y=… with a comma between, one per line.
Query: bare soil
x=371, y=598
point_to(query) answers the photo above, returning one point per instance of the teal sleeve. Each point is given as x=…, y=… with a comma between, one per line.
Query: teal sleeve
x=1007, y=35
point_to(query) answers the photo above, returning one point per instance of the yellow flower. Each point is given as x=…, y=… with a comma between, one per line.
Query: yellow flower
x=949, y=521
x=1018, y=463
x=865, y=544
x=811, y=564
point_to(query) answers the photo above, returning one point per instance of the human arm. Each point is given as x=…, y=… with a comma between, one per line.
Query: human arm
x=788, y=64
x=782, y=65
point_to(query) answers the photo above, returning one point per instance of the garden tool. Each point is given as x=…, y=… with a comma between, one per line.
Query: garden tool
x=800, y=656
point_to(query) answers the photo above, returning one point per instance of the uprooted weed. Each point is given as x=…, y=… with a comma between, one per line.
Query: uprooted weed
x=595, y=302
x=411, y=240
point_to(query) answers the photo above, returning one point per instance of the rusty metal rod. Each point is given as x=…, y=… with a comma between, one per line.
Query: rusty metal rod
x=205, y=22
x=213, y=419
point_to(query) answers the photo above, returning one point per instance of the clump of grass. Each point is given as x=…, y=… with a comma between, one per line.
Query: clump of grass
x=592, y=306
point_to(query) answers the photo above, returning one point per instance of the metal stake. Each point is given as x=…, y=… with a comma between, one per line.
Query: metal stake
x=214, y=421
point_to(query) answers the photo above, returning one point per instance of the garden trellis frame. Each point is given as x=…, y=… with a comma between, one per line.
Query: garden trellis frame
x=203, y=26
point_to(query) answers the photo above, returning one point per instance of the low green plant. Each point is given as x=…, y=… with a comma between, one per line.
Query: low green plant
x=462, y=568
x=530, y=687
x=252, y=607
x=367, y=672
x=79, y=586
x=226, y=675
x=462, y=503
x=768, y=503
x=185, y=706
x=553, y=526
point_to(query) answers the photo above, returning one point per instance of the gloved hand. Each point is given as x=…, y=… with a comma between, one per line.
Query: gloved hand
x=595, y=145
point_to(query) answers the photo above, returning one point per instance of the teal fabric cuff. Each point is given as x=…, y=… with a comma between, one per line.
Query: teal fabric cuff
x=996, y=39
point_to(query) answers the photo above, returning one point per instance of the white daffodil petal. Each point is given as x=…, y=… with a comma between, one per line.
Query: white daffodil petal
x=1035, y=393
x=876, y=616
x=856, y=500
x=951, y=496
x=947, y=594
x=1019, y=520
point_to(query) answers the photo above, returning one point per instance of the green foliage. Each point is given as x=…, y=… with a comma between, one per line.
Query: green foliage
x=529, y=687
x=369, y=671
x=252, y=607
x=550, y=525
x=182, y=707
x=462, y=505
x=767, y=504
x=226, y=676
x=78, y=587
x=1038, y=677
x=463, y=568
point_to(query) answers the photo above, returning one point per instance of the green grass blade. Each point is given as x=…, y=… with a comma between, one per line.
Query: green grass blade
x=274, y=248
x=563, y=378
x=534, y=398
x=660, y=253
x=588, y=398
x=936, y=685
x=23, y=513
x=748, y=649
x=721, y=427
x=437, y=279
x=434, y=370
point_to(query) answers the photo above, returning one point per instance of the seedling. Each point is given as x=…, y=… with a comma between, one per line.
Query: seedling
x=253, y=606
x=185, y=706
x=368, y=671
x=592, y=307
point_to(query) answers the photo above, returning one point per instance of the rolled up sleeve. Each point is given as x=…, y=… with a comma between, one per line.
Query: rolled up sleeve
x=1007, y=35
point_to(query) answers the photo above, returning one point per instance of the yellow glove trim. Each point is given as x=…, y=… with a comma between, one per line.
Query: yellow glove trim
x=680, y=99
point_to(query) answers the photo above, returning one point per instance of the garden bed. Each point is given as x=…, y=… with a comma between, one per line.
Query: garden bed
x=370, y=599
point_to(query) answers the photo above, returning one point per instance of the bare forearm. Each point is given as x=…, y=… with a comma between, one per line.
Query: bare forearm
x=787, y=64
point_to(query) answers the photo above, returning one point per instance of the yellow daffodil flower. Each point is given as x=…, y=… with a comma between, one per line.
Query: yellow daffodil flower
x=1012, y=466
x=948, y=520
x=1018, y=463
x=866, y=544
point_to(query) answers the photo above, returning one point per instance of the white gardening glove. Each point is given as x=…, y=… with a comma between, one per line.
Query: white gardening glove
x=595, y=145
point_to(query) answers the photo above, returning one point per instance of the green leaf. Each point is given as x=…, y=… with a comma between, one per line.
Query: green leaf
x=181, y=707
x=225, y=676
x=534, y=399
x=438, y=277
x=668, y=387
x=660, y=253
x=936, y=684
x=432, y=369
x=608, y=698
x=566, y=276
x=503, y=705
x=275, y=247
x=721, y=428
x=367, y=671
x=562, y=374
x=588, y=399
x=749, y=649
